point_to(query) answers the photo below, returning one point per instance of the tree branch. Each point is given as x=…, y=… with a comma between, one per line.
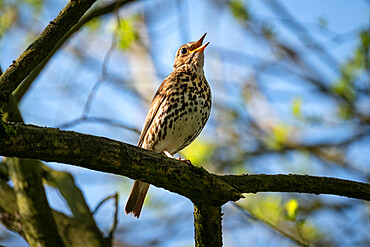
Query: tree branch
x=65, y=183
x=49, y=144
x=207, y=225
x=73, y=232
x=38, y=223
x=9, y=215
x=35, y=216
x=90, y=15
x=41, y=47
x=298, y=184
x=195, y=183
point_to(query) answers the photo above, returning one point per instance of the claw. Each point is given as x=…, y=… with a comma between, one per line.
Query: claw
x=188, y=162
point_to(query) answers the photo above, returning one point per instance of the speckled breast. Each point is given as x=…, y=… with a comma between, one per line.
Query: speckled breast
x=186, y=112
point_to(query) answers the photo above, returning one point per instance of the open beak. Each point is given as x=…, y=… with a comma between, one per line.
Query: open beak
x=198, y=45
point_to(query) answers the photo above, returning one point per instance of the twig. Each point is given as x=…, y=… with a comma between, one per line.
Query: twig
x=107, y=121
x=103, y=75
x=304, y=36
x=102, y=202
x=90, y=15
x=115, y=222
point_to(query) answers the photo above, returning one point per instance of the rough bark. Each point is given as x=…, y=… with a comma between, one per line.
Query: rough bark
x=195, y=183
x=38, y=223
x=69, y=147
x=299, y=184
x=207, y=225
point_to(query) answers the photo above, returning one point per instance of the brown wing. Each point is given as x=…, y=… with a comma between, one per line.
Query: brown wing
x=157, y=101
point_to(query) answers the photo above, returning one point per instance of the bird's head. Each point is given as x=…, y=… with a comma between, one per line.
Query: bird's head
x=191, y=55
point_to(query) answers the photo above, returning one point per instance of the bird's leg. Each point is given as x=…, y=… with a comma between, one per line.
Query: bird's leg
x=181, y=159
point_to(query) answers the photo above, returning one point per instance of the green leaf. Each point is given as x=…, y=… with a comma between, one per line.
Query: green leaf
x=345, y=88
x=239, y=11
x=296, y=107
x=127, y=32
x=353, y=69
x=291, y=209
x=279, y=136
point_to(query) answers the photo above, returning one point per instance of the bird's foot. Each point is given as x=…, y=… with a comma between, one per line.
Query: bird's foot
x=188, y=162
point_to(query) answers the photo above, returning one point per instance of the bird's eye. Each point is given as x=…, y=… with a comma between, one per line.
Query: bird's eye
x=184, y=51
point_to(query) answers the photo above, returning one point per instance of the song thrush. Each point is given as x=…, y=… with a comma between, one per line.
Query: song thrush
x=178, y=113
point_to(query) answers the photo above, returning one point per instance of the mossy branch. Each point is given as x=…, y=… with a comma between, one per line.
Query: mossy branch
x=33, y=214
x=207, y=225
x=41, y=47
x=298, y=184
x=90, y=15
x=72, y=231
x=38, y=223
x=102, y=154
x=106, y=155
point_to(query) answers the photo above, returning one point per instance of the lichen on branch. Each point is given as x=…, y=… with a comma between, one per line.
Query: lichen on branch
x=195, y=183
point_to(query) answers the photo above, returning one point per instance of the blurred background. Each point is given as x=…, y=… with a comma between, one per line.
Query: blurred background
x=291, y=94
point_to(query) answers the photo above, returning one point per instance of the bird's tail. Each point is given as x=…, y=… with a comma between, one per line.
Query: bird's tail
x=136, y=200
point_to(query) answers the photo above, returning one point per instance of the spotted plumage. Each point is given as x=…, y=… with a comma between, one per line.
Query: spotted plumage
x=178, y=113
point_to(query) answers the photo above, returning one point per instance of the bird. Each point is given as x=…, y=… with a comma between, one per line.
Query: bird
x=178, y=112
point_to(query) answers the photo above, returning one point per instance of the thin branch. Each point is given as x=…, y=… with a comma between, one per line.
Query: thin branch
x=102, y=120
x=292, y=146
x=65, y=184
x=115, y=222
x=104, y=71
x=94, y=13
x=298, y=184
x=302, y=32
x=270, y=225
x=115, y=219
x=102, y=202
